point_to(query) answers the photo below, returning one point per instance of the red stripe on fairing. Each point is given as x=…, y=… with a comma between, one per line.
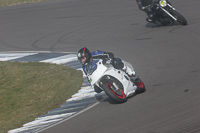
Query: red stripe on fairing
x=84, y=52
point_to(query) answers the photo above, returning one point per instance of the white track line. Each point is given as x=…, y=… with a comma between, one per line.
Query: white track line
x=12, y=56
x=70, y=117
x=61, y=59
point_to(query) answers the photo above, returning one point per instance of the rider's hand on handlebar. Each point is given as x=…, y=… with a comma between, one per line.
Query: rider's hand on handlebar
x=109, y=61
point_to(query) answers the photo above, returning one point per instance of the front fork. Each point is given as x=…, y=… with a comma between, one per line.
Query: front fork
x=168, y=12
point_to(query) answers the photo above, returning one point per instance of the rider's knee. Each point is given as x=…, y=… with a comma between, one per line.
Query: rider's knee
x=97, y=89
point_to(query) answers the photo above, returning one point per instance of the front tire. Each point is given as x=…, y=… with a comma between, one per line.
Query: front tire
x=116, y=95
x=179, y=17
x=140, y=86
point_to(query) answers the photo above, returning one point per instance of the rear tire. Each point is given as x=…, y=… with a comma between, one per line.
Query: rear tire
x=110, y=90
x=179, y=17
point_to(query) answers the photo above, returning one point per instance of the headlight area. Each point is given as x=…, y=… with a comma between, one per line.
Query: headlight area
x=163, y=3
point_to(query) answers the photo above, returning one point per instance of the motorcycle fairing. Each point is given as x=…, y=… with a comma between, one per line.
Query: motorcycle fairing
x=109, y=70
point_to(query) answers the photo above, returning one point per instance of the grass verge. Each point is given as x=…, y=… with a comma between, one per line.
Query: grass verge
x=18, y=2
x=30, y=89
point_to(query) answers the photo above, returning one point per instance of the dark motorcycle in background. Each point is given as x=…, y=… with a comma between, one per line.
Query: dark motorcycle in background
x=166, y=14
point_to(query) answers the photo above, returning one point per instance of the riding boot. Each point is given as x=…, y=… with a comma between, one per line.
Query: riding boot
x=150, y=17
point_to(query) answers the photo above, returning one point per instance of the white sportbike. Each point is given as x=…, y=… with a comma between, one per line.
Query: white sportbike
x=116, y=83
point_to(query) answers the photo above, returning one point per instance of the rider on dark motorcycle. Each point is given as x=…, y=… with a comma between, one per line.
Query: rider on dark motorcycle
x=146, y=6
x=161, y=12
x=89, y=60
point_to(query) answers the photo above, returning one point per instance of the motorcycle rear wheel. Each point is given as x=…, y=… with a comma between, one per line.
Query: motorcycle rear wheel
x=116, y=95
x=179, y=17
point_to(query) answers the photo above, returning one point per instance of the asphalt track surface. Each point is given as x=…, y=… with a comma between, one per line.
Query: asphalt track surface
x=166, y=58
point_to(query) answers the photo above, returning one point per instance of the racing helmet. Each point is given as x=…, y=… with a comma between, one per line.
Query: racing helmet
x=84, y=56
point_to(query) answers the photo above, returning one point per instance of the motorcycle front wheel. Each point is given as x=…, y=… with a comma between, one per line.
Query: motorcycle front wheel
x=179, y=17
x=114, y=93
x=140, y=86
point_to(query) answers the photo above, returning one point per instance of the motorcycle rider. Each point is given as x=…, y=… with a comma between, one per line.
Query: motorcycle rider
x=146, y=6
x=89, y=60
